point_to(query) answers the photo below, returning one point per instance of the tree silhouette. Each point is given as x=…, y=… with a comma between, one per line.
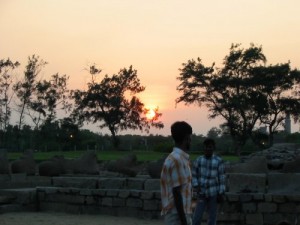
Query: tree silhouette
x=242, y=92
x=113, y=102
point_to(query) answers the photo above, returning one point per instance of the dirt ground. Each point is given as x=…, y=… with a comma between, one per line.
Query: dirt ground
x=42, y=218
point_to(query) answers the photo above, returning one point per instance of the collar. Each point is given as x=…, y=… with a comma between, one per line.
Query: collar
x=181, y=152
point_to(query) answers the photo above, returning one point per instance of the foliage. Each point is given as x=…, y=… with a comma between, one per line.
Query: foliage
x=38, y=98
x=242, y=92
x=113, y=103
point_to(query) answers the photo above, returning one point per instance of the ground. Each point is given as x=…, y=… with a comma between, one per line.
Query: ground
x=47, y=218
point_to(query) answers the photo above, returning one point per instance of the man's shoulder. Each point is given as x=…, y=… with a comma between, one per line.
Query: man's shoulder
x=218, y=158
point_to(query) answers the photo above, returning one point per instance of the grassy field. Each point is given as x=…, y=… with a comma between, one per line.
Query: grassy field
x=142, y=156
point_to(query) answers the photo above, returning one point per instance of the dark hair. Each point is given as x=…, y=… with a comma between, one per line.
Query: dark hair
x=209, y=141
x=180, y=130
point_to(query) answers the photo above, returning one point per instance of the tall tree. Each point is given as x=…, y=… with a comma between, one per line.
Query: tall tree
x=25, y=88
x=40, y=98
x=48, y=97
x=229, y=92
x=279, y=83
x=6, y=93
x=245, y=92
x=114, y=103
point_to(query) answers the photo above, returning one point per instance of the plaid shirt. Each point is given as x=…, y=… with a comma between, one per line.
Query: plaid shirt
x=209, y=175
x=176, y=172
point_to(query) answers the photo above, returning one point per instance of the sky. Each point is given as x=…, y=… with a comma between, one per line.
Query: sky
x=155, y=37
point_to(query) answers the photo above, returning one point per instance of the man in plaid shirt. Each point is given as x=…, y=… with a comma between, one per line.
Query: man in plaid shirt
x=176, y=178
x=209, y=180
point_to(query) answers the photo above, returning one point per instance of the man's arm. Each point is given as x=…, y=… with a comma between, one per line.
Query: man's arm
x=179, y=205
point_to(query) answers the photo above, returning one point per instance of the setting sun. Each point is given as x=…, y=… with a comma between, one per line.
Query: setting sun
x=150, y=114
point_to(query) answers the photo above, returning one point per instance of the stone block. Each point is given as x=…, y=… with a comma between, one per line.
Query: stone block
x=279, y=198
x=147, y=195
x=135, y=183
x=232, y=197
x=293, y=197
x=75, y=182
x=266, y=207
x=289, y=207
x=152, y=185
x=65, y=198
x=245, y=197
x=254, y=219
x=18, y=177
x=272, y=218
x=118, y=202
x=151, y=205
x=134, y=202
x=124, y=193
x=112, y=183
x=284, y=183
x=107, y=201
x=249, y=207
x=246, y=183
x=135, y=193
x=112, y=193
x=5, y=177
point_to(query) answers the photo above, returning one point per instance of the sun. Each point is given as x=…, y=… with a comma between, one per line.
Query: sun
x=150, y=114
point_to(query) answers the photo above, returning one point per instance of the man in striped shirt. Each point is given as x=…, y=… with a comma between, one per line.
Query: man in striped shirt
x=209, y=180
x=176, y=178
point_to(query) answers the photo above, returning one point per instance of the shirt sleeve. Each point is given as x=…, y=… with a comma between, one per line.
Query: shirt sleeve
x=195, y=173
x=222, y=177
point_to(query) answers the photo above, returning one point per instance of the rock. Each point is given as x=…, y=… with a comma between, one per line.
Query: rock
x=53, y=167
x=86, y=164
x=154, y=168
x=25, y=164
x=124, y=165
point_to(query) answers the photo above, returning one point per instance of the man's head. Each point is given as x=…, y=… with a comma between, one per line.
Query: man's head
x=209, y=147
x=181, y=133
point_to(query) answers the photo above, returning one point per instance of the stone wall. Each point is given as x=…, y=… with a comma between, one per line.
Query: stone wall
x=260, y=199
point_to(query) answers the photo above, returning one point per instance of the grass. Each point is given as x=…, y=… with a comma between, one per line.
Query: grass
x=142, y=156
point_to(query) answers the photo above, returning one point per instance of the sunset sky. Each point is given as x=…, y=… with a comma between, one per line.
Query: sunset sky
x=155, y=37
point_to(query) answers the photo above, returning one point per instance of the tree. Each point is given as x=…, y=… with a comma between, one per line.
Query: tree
x=47, y=97
x=114, y=102
x=39, y=99
x=238, y=92
x=214, y=132
x=6, y=94
x=279, y=83
x=24, y=89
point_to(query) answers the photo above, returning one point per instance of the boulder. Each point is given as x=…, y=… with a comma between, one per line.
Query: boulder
x=86, y=164
x=124, y=165
x=256, y=164
x=25, y=164
x=52, y=167
x=154, y=168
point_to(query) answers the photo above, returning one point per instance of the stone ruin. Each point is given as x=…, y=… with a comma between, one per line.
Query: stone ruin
x=283, y=157
x=256, y=193
x=59, y=165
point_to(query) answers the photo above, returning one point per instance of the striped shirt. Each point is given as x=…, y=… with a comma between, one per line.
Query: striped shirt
x=176, y=172
x=209, y=175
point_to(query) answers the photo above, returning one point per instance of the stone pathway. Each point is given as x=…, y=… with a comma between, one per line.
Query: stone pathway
x=47, y=218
